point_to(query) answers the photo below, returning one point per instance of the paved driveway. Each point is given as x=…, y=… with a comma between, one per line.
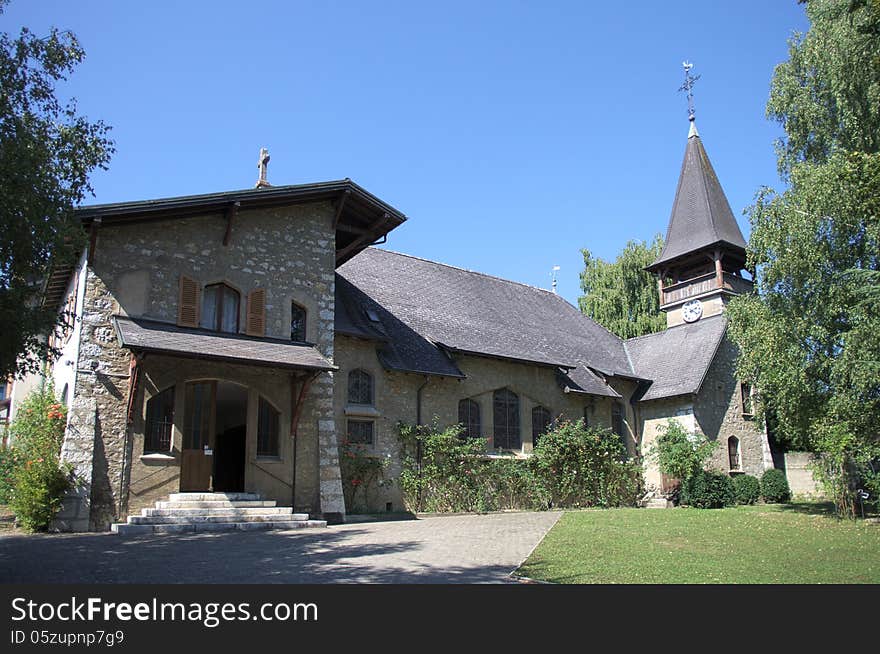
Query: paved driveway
x=454, y=549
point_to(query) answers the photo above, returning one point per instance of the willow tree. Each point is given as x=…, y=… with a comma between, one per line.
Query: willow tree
x=620, y=295
x=810, y=338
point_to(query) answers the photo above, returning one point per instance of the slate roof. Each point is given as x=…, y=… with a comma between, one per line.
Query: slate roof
x=701, y=215
x=164, y=338
x=677, y=359
x=427, y=307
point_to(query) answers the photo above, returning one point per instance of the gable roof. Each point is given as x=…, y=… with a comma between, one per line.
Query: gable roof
x=459, y=310
x=701, y=215
x=677, y=359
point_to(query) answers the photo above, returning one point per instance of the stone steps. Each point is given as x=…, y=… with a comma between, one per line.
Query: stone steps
x=186, y=513
x=127, y=529
x=223, y=510
x=216, y=504
x=229, y=517
x=212, y=497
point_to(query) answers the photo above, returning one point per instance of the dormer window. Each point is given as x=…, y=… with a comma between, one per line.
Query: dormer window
x=297, y=323
x=220, y=305
x=373, y=315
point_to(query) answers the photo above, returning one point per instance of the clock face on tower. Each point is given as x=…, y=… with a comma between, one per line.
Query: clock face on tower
x=691, y=311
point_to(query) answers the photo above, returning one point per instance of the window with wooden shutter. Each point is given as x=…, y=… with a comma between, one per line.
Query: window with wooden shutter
x=188, y=302
x=256, y=312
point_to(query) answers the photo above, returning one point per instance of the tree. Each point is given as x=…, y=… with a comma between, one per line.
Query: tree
x=47, y=152
x=810, y=338
x=621, y=296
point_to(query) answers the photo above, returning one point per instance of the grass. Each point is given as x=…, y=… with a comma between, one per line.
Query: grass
x=801, y=543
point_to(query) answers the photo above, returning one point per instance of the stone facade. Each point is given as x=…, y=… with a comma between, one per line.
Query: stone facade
x=719, y=413
x=396, y=401
x=715, y=413
x=135, y=270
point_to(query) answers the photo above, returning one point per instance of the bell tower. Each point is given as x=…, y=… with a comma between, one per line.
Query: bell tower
x=704, y=256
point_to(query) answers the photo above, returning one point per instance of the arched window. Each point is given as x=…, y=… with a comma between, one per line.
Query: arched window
x=160, y=422
x=505, y=430
x=297, y=323
x=220, y=308
x=540, y=423
x=733, y=452
x=617, y=421
x=469, y=416
x=360, y=387
x=267, y=429
x=64, y=395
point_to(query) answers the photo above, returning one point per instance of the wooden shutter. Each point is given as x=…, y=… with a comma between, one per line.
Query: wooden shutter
x=256, y=313
x=188, y=304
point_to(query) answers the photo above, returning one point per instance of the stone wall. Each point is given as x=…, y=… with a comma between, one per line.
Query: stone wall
x=715, y=413
x=653, y=417
x=800, y=476
x=396, y=401
x=289, y=251
x=719, y=415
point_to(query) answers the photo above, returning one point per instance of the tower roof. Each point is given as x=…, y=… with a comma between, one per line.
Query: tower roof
x=701, y=215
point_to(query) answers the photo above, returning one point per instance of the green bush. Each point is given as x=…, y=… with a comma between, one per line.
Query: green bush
x=8, y=464
x=774, y=486
x=678, y=454
x=440, y=471
x=708, y=490
x=747, y=489
x=510, y=484
x=583, y=467
x=39, y=480
x=572, y=466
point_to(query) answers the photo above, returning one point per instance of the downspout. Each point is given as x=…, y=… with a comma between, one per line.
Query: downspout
x=419, y=439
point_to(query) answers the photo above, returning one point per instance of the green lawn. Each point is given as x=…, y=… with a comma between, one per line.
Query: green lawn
x=779, y=544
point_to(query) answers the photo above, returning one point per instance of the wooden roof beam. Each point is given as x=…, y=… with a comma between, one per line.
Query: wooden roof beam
x=340, y=205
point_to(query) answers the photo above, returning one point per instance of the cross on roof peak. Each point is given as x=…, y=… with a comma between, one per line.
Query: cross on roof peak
x=263, y=164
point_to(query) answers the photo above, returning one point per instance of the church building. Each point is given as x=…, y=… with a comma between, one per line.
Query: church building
x=230, y=342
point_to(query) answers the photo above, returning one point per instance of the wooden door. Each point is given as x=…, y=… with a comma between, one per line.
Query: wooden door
x=197, y=454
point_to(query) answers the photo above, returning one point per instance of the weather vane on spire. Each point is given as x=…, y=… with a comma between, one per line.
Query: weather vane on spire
x=689, y=81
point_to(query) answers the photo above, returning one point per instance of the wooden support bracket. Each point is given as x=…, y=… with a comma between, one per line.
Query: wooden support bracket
x=231, y=212
x=340, y=205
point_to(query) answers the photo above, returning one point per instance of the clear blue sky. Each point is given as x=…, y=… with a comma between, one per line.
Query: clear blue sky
x=512, y=134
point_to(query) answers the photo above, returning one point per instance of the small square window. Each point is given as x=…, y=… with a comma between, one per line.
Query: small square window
x=360, y=432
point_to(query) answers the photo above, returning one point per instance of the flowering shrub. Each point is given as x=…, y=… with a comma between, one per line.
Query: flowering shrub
x=581, y=467
x=39, y=479
x=572, y=466
x=440, y=470
x=361, y=471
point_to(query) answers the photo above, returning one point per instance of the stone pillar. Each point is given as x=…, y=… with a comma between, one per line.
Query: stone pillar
x=329, y=475
x=96, y=436
x=77, y=449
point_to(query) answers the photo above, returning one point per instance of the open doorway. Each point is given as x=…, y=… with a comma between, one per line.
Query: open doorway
x=231, y=421
x=214, y=437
